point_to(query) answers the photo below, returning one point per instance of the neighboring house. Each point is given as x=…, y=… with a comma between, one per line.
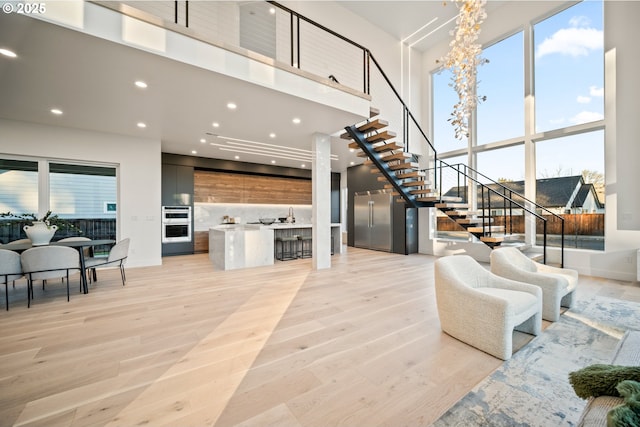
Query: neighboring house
x=562, y=195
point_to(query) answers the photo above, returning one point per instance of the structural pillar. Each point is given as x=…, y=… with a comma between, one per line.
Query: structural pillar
x=321, y=199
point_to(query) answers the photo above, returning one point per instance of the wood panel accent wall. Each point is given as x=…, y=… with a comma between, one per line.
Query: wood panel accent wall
x=225, y=187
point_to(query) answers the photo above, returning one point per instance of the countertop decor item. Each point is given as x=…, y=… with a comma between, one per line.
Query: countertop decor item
x=267, y=221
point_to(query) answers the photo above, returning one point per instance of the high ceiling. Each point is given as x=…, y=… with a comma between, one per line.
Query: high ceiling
x=92, y=81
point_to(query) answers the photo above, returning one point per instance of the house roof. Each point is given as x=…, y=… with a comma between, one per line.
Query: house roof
x=550, y=192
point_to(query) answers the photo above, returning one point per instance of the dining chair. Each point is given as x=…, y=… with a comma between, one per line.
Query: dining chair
x=10, y=270
x=86, y=252
x=19, y=241
x=117, y=257
x=48, y=262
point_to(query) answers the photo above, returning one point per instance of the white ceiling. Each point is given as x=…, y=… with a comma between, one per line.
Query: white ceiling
x=91, y=80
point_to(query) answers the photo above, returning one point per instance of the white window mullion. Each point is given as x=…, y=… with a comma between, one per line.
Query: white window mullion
x=43, y=187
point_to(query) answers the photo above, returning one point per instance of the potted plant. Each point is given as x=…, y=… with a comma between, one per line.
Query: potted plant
x=41, y=230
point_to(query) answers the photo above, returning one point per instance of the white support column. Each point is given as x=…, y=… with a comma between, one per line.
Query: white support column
x=529, y=145
x=321, y=199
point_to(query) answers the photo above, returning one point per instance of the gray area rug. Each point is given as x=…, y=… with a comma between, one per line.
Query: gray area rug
x=532, y=388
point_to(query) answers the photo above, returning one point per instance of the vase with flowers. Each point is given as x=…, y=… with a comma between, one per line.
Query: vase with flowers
x=41, y=230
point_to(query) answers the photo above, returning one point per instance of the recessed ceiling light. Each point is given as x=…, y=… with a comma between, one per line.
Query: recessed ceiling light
x=194, y=152
x=56, y=111
x=142, y=125
x=215, y=124
x=7, y=52
x=203, y=140
x=141, y=84
x=303, y=165
x=272, y=10
x=272, y=135
x=231, y=106
x=351, y=150
x=296, y=120
x=352, y=163
x=236, y=157
x=273, y=161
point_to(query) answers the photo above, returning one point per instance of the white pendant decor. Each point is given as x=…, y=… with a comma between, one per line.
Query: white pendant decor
x=463, y=60
x=40, y=233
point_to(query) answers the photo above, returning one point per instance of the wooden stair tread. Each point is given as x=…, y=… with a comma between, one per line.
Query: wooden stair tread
x=373, y=111
x=354, y=145
x=492, y=239
x=404, y=165
x=451, y=205
x=373, y=125
x=388, y=147
x=474, y=220
x=437, y=198
x=414, y=174
x=413, y=183
x=402, y=155
x=491, y=228
x=382, y=136
x=424, y=191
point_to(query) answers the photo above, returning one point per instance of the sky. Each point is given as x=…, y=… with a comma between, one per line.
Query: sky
x=568, y=84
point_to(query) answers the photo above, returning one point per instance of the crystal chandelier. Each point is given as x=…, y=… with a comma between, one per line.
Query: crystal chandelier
x=463, y=60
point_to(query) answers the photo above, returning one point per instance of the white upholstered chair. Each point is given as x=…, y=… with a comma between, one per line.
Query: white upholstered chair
x=117, y=257
x=48, y=262
x=558, y=284
x=10, y=270
x=482, y=309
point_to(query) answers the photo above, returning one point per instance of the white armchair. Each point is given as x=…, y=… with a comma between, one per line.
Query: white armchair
x=482, y=309
x=557, y=284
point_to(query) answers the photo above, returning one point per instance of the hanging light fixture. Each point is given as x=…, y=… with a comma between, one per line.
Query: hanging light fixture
x=463, y=60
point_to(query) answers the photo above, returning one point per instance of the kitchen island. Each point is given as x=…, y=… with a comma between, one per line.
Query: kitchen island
x=233, y=246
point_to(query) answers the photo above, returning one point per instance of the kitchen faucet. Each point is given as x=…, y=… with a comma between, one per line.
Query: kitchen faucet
x=290, y=217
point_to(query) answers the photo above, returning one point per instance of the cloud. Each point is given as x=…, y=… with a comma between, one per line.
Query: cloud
x=586, y=117
x=571, y=41
x=579, y=21
x=583, y=99
x=596, y=91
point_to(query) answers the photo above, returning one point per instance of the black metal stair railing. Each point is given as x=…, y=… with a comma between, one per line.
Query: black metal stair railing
x=509, y=202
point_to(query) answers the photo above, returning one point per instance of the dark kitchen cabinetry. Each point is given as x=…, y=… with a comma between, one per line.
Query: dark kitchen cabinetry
x=177, y=185
x=177, y=190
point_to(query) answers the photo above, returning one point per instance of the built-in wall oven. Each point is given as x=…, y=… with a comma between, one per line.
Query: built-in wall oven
x=176, y=224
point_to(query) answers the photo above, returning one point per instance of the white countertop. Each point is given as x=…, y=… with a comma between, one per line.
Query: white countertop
x=274, y=226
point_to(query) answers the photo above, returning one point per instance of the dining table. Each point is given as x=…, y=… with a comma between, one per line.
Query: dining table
x=80, y=245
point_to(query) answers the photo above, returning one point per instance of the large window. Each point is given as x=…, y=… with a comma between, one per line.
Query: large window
x=570, y=183
x=85, y=195
x=569, y=67
x=501, y=115
x=444, y=98
x=565, y=140
x=19, y=183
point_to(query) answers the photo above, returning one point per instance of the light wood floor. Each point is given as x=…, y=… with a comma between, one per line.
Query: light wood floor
x=183, y=345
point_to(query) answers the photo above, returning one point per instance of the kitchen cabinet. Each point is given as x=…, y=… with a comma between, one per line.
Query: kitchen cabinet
x=177, y=185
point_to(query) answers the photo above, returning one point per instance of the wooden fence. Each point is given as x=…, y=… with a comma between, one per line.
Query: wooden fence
x=574, y=224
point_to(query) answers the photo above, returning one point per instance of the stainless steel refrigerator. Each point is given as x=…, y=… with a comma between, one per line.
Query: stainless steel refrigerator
x=372, y=220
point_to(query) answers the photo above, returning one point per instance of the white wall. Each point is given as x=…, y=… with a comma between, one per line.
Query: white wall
x=622, y=150
x=400, y=64
x=139, y=175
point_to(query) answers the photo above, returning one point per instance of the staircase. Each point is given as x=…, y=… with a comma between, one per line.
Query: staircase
x=401, y=172
x=389, y=159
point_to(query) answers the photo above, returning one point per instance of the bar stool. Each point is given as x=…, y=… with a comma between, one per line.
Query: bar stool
x=288, y=248
x=305, y=246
